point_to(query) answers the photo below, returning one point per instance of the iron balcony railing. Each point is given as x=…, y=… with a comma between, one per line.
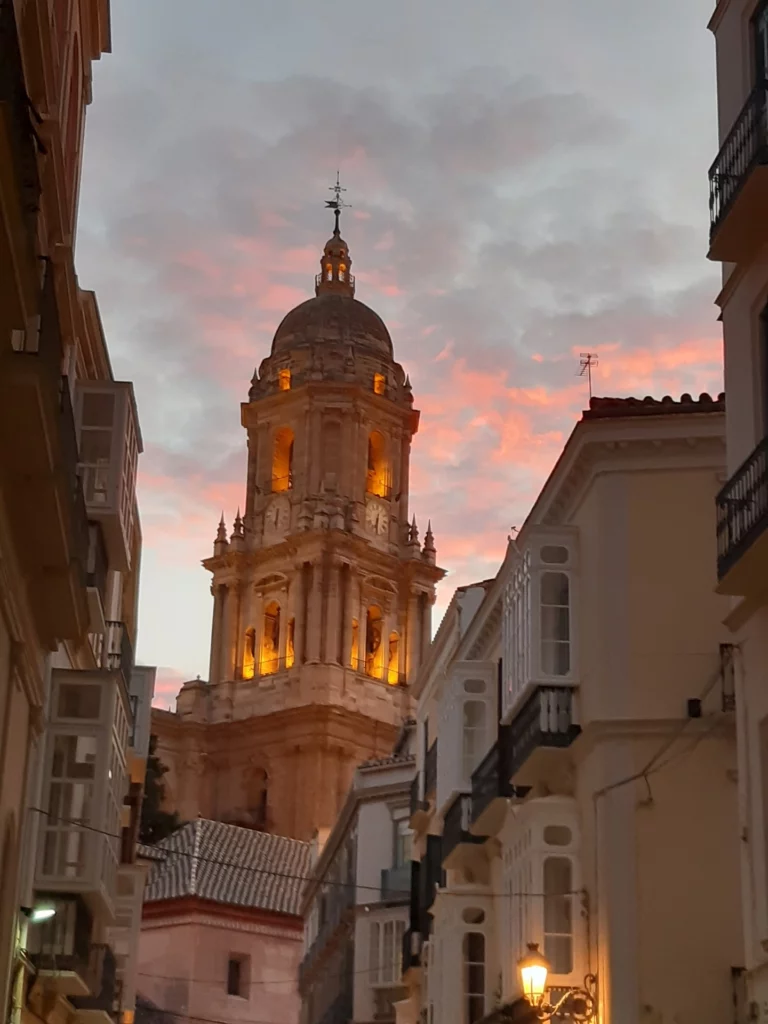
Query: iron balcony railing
x=63, y=942
x=380, y=672
x=744, y=146
x=742, y=509
x=118, y=653
x=396, y=882
x=344, y=278
x=545, y=720
x=456, y=824
x=430, y=877
x=430, y=771
x=98, y=564
x=21, y=117
x=490, y=780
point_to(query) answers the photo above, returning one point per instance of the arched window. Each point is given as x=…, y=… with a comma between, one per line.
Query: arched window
x=377, y=479
x=379, y=383
x=284, y=379
x=328, y=272
x=270, y=639
x=282, y=460
x=354, y=647
x=290, y=656
x=393, y=659
x=374, y=650
x=249, y=654
x=474, y=977
x=342, y=272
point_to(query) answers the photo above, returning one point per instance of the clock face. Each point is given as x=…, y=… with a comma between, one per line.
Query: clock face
x=377, y=518
x=277, y=516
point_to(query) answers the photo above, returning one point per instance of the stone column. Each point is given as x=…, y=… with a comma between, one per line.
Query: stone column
x=257, y=604
x=413, y=637
x=283, y=638
x=314, y=612
x=362, y=620
x=228, y=623
x=350, y=613
x=333, y=620
x=215, y=659
x=298, y=611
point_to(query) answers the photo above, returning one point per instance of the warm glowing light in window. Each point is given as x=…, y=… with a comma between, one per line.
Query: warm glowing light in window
x=374, y=648
x=249, y=654
x=290, y=656
x=342, y=272
x=328, y=272
x=377, y=477
x=393, y=659
x=284, y=379
x=379, y=383
x=354, y=647
x=270, y=639
x=282, y=460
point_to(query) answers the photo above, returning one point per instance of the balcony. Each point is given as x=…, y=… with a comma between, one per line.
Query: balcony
x=102, y=1006
x=738, y=184
x=429, y=878
x=411, y=950
x=60, y=948
x=118, y=652
x=458, y=842
x=47, y=512
x=543, y=726
x=742, y=519
x=96, y=574
x=491, y=788
x=430, y=772
x=382, y=673
x=396, y=883
x=19, y=184
x=384, y=999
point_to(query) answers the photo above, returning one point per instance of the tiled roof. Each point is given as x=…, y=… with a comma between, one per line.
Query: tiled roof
x=380, y=762
x=606, y=408
x=231, y=865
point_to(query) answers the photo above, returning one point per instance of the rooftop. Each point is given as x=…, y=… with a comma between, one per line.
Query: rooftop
x=231, y=865
x=620, y=408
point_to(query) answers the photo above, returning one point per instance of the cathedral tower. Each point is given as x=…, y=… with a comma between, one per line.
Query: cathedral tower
x=322, y=592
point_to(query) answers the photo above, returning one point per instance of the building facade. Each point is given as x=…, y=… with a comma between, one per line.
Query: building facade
x=577, y=757
x=71, y=761
x=323, y=590
x=356, y=901
x=739, y=240
x=221, y=932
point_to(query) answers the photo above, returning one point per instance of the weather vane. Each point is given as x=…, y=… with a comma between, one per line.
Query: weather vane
x=336, y=204
x=586, y=361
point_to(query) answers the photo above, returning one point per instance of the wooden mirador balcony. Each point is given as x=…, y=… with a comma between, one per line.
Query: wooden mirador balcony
x=742, y=522
x=738, y=183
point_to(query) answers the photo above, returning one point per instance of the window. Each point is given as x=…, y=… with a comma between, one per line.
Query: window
x=374, y=653
x=237, y=976
x=403, y=834
x=516, y=630
x=386, y=951
x=97, y=425
x=284, y=379
x=354, y=646
x=270, y=640
x=249, y=654
x=69, y=803
x=79, y=701
x=472, y=736
x=474, y=977
x=377, y=477
x=558, y=917
x=379, y=383
x=555, y=624
x=393, y=659
x=282, y=460
x=290, y=655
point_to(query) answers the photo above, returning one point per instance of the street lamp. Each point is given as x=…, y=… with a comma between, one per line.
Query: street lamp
x=41, y=912
x=580, y=1004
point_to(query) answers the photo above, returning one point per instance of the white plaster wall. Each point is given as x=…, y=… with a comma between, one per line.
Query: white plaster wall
x=375, y=847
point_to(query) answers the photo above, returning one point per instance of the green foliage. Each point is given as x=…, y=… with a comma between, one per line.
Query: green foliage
x=155, y=824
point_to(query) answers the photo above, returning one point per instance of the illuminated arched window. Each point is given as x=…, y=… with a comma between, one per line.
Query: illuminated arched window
x=374, y=648
x=249, y=654
x=379, y=383
x=282, y=460
x=342, y=272
x=328, y=272
x=270, y=639
x=393, y=659
x=284, y=379
x=377, y=478
x=290, y=656
x=354, y=650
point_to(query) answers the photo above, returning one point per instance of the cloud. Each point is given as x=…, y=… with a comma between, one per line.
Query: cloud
x=500, y=225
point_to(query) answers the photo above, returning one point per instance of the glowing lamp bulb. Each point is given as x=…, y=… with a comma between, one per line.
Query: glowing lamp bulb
x=42, y=913
x=534, y=969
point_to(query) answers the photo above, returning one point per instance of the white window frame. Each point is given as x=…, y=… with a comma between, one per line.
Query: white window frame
x=385, y=944
x=467, y=682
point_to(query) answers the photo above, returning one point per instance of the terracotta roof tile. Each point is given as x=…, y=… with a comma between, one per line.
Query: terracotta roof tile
x=618, y=408
x=380, y=762
x=232, y=865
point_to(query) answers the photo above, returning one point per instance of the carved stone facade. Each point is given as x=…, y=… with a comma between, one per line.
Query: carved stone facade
x=322, y=592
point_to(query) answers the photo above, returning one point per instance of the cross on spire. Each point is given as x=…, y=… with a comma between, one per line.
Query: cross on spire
x=336, y=204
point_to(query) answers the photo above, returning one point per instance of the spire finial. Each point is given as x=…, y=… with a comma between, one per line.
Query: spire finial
x=336, y=204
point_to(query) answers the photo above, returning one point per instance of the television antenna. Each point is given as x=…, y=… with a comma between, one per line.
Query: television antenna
x=587, y=360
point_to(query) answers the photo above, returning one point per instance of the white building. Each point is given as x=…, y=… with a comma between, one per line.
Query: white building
x=739, y=240
x=576, y=779
x=356, y=904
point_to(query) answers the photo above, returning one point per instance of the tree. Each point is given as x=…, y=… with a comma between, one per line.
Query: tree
x=156, y=824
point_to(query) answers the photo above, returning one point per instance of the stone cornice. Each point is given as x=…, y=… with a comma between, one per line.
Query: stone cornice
x=191, y=911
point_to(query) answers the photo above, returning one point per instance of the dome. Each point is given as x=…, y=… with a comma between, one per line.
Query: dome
x=333, y=317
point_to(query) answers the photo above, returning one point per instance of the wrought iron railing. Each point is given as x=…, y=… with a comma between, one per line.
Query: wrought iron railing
x=382, y=673
x=430, y=771
x=456, y=824
x=25, y=143
x=431, y=876
x=396, y=882
x=545, y=720
x=489, y=781
x=742, y=509
x=98, y=563
x=744, y=146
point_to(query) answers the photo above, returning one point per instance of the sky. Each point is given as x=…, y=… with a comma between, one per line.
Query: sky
x=527, y=180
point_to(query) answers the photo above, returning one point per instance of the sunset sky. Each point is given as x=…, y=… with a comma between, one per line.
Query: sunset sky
x=528, y=181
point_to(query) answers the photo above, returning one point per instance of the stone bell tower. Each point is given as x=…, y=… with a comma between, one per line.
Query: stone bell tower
x=323, y=591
